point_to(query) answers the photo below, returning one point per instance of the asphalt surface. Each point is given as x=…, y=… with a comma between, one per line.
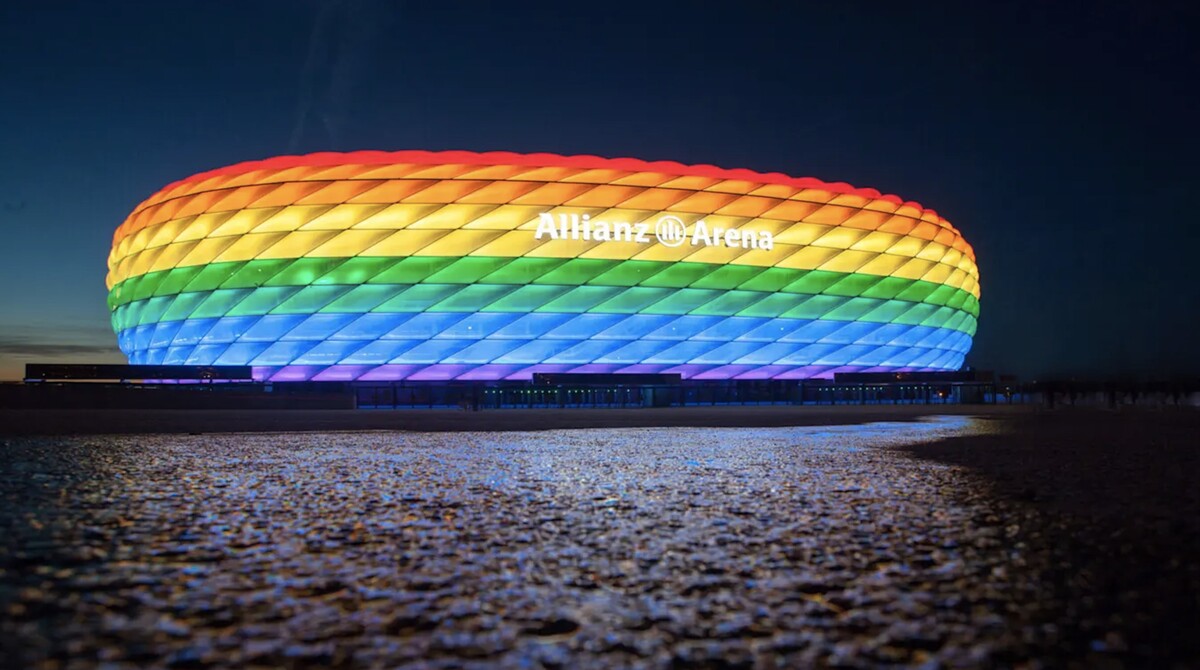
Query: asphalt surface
x=23, y=422
x=912, y=543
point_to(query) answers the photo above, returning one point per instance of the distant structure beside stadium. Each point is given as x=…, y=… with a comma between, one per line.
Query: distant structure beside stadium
x=457, y=266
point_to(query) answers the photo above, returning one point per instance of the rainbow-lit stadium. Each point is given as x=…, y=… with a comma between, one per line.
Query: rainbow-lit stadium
x=416, y=265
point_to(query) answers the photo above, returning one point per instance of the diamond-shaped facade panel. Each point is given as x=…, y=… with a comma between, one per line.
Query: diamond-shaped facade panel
x=456, y=265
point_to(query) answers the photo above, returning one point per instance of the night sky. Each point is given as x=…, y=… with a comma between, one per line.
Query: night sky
x=1060, y=138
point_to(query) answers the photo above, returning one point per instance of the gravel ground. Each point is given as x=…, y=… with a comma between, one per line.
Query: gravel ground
x=636, y=547
x=1110, y=503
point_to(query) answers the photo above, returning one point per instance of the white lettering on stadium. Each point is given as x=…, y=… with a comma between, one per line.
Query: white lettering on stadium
x=668, y=230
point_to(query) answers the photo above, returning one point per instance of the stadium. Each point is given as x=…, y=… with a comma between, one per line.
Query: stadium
x=437, y=266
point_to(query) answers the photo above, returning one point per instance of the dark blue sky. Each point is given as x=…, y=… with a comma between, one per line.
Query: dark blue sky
x=1058, y=137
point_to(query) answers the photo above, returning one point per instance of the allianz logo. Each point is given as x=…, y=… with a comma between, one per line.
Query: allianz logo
x=668, y=230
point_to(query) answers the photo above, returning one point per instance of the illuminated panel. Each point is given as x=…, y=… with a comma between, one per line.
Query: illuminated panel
x=457, y=265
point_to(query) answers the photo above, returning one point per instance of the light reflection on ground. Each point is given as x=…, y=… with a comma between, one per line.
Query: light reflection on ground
x=597, y=548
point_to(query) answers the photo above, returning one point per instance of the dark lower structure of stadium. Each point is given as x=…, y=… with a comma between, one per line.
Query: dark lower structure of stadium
x=232, y=387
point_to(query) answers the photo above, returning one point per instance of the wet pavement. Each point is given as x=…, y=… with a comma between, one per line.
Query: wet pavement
x=637, y=547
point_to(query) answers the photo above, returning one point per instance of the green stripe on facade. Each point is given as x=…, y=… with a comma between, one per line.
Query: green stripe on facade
x=440, y=270
x=513, y=298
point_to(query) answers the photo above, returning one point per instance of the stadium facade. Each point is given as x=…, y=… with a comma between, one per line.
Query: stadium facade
x=418, y=265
